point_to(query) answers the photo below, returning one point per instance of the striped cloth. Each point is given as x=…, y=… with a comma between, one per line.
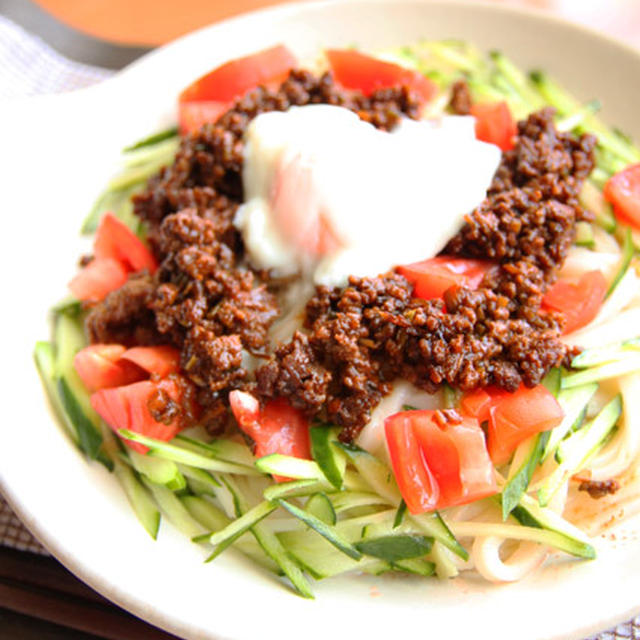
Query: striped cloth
x=29, y=67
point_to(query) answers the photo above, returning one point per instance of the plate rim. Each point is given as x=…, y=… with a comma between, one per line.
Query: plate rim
x=121, y=597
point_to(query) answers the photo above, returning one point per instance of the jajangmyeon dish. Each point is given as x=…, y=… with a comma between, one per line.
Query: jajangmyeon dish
x=378, y=315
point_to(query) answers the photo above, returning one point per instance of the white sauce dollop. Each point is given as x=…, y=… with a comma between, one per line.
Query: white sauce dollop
x=328, y=195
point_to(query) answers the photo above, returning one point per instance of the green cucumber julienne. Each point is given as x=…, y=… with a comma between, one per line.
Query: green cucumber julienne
x=330, y=458
x=574, y=452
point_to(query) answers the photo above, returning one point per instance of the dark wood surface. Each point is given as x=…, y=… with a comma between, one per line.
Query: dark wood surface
x=40, y=599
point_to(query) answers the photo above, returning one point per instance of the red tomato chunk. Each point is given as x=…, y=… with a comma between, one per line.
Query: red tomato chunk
x=97, y=279
x=100, y=366
x=275, y=428
x=160, y=360
x=623, y=191
x=438, y=466
x=211, y=95
x=478, y=404
x=118, y=252
x=355, y=70
x=579, y=301
x=128, y=408
x=115, y=240
x=519, y=416
x=434, y=276
x=495, y=124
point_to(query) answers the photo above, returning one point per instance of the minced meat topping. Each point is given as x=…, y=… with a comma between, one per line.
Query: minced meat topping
x=205, y=300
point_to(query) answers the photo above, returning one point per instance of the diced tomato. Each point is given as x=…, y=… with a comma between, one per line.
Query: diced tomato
x=354, y=70
x=218, y=88
x=99, y=367
x=434, y=276
x=417, y=484
x=622, y=190
x=454, y=456
x=97, y=279
x=283, y=429
x=579, y=301
x=477, y=475
x=115, y=240
x=160, y=360
x=127, y=408
x=519, y=416
x=246, y=411
x=276, y=428
x=440, y=454
x=477, y=404
x=495, y=124
x=193, y=115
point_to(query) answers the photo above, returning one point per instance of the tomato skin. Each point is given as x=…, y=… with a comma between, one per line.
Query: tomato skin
x=477, y=404
x=277, y=427
x=283, y=429
x=246, y=411
x=127, y=408
x=477, y=474
x=192, y=116
x=431, y=278
x=454, y=456
x=118, y=251
x=518, y=417
x=232, y=79
x=440, y=454
x=355, y=70
x=417, y=484
x=159, y=360
x=579, y=302
x=495, y=124
x=100, y=366
x=115, y=240
x=622, y=190
x=210, y=95
x=97, y=279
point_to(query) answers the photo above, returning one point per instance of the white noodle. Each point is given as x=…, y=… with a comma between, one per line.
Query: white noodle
x=372, y=437
x=624, y=326
x=527, y=557
x=621, y=298
x=580, y=260
x=616, y=457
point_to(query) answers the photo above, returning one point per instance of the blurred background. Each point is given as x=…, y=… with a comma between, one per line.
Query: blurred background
x=110, y=33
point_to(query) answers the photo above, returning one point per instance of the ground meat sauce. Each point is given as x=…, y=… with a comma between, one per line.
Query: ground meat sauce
x=599, y=488
x=460, y=101
x=358, y=339
x=125, y=315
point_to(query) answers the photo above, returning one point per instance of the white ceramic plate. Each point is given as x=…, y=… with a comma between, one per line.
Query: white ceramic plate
x=56, y=153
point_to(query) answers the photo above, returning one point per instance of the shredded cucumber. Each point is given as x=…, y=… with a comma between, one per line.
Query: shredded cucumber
x=227, y=536
x=158, y=470
x=290, y=467
x=579, y=447
x=320, y=506
x=329, y=457
x=574, y=404
x=184, y=456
